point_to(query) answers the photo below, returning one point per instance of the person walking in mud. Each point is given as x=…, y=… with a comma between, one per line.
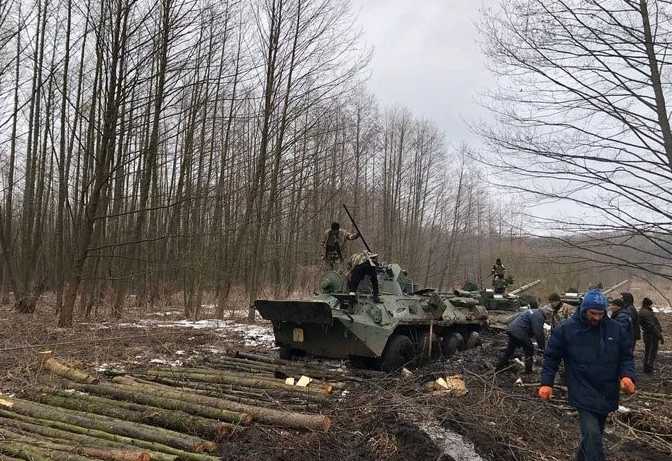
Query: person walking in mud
x=529, y=324
x=597, y=354
x=652, y=334
x=335, y=249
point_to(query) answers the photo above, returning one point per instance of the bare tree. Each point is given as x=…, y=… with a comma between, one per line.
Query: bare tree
x=582, y=121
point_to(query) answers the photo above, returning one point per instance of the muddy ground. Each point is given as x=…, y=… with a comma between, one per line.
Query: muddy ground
x=382, y=417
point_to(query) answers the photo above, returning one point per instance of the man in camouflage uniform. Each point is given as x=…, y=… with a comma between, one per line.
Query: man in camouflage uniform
x=363, y=264
x=335, y=246
x=498, y=270
x=561, y=311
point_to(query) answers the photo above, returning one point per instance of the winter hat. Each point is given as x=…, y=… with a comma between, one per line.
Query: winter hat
x=618, y=302
x=554, y=297
x=593, y=299
x=646, y=302
x=547, y=312
x=627, y=298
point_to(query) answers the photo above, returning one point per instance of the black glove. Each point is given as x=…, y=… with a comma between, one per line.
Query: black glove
x=662, y=340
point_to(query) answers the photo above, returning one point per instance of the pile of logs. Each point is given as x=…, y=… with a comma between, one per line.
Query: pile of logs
x=161, y=413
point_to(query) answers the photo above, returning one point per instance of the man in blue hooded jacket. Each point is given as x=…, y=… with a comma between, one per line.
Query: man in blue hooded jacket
x=597, y=352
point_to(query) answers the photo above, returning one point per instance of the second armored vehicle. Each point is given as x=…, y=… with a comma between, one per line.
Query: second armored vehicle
x=406, y=326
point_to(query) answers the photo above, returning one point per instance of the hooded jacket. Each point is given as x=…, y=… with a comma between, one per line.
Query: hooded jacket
x=629, y=308
x=529, y=324
x=596, y=358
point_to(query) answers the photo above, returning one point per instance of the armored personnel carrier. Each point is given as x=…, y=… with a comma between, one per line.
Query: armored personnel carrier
x=407, y=326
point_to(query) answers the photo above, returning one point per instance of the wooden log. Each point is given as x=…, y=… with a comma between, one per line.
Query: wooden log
x=21, y=451
x=261, y=383
x=117, y=426
x=166, y=396
x=294, y=368
x=224, y=389
x=109, y=454
x=80, y=439
x=191, y=406
x=4, y=457
x=128, y=411
x=51, y=364
x=289, y=400
x=153, y=447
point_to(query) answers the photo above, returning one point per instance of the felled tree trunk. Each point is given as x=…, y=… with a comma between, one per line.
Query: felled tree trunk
x=53, y=365
x=127, y=411
x=170, y=397
x=158, y=451
x=231, y=378
x=116, y=426
x=170, y=402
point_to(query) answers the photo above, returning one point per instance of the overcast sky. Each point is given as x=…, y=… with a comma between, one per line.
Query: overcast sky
x=426, y=58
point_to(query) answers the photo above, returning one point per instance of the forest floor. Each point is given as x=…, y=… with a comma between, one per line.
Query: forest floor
x=378, y=418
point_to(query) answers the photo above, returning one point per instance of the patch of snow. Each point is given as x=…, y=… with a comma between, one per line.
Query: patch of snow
x=622, y=409
x=253, y=334
x=179, y=352
x=111, y=366
x=452, y=444
x=662, y=310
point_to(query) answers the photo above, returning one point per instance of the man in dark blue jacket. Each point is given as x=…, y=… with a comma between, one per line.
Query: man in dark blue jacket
x=529, y=324
x=597, y=352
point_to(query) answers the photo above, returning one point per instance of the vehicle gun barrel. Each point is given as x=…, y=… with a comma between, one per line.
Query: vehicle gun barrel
x=525, y=287
x=620, y=284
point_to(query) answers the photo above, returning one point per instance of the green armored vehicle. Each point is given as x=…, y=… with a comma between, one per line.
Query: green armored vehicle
x=573, y=297
x=501, y=306
x=408, y=325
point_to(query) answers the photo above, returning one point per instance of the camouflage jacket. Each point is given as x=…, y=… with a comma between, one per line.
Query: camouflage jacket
x=562, y=312
x=360, y=258
x=339, y=238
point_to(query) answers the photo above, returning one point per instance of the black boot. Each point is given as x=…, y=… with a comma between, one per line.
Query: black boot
x=376, y=299
x=528, y=365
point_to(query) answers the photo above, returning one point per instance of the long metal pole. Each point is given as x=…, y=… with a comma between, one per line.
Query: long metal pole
x=357, y=228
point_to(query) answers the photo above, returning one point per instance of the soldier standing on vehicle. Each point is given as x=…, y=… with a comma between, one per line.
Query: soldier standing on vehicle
x=652, y=334
x=597, y=353
x=335, y=246
x=561, y=311
x=498, y=270
x=363, y=264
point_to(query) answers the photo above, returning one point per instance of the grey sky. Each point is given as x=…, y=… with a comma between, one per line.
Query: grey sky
x=426, y=58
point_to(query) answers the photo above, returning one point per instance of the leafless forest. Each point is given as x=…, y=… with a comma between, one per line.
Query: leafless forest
x=200, y=148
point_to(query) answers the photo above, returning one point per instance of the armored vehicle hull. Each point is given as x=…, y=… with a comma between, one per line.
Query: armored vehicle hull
x=406, y=326
x=502, y=307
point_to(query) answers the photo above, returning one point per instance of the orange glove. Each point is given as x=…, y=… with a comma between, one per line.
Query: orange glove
x=545, y=392
x=627, y=385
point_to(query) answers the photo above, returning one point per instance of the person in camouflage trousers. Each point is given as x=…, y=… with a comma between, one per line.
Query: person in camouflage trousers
x=335, y=247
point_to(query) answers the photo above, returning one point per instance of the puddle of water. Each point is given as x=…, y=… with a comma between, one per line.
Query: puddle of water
x=452, y=444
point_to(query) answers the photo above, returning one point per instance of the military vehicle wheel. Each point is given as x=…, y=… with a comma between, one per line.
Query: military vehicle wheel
x=399, y=352
x=451, y=343
x=473, y=340
x=287, y=353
